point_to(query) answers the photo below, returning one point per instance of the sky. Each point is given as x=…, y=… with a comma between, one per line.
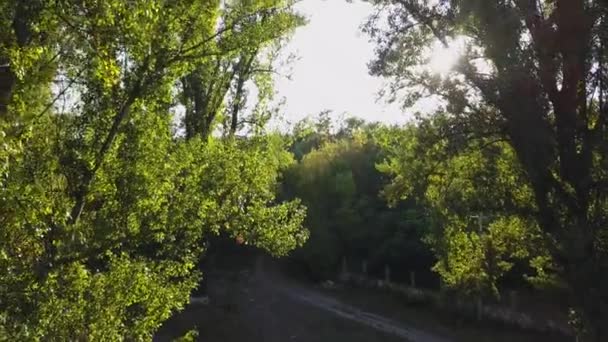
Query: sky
x=330, y=72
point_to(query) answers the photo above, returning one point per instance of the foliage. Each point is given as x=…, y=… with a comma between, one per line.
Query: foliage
x=216, y=90
x=532, y=73
x=103, y=208
x=337, y=180
x=476, y=194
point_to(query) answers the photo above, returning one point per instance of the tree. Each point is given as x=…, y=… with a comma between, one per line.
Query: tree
x=216, y=89
x=533, y=73
x=102, y=206
x=338, y=181
x=478, y=202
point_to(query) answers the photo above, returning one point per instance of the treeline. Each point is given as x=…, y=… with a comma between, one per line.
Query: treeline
x=404, y=197
x=337, y=180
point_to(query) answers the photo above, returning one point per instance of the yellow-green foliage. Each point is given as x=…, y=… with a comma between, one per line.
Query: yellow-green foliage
x=103, y=207
x=458, y=183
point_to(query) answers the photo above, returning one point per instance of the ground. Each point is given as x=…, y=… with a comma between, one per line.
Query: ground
x=257, y=303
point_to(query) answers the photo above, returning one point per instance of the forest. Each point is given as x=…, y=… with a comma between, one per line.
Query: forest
x=135, y=133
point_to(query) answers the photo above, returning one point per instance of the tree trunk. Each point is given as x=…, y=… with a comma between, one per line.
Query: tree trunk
x=7, y=84
x=21, y=28
x=589, y=290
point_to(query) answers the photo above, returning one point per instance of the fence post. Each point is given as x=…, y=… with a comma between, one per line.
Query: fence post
x=413, y=279
x=479, y=308
x=387, y=274
x=513, y=299
x=344, y=270
x=364, y=267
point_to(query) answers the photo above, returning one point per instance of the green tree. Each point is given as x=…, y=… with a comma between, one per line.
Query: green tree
x=477, y=197
x=216, y=90
x=338, y=181
x=102, y=206
x=532, y=73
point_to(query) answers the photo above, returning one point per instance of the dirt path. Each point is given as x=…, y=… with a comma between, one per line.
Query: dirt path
x=271, y=278
x=258, y=304
x=354, y=314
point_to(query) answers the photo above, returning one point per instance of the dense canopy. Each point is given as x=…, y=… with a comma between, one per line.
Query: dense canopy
x=104, y=200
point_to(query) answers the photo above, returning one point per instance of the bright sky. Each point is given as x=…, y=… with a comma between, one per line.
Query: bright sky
x=331, y=69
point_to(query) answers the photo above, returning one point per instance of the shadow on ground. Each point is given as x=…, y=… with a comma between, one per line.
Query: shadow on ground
x=246, y=305
x=253, y=301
